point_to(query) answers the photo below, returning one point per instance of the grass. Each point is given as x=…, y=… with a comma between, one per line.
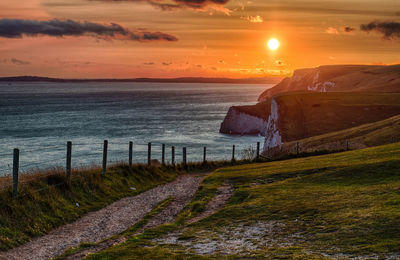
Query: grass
x=337, y=205
x=47, y=199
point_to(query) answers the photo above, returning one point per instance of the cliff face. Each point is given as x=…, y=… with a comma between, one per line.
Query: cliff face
x=272, y=135
x=300, y=115
x=246, y=120
x=340, y=78
x=317, y=101
x=237, y=122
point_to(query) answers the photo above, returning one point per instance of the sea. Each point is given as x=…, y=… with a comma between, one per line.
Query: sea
x=39, y=119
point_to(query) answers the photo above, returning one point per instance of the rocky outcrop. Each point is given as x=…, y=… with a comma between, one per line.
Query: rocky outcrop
x=238, y=122
x=339, y=78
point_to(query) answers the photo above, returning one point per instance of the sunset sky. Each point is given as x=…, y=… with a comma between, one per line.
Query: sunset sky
x=179, y=38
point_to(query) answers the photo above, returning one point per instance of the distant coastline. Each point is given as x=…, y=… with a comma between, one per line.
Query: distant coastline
x=264, y=80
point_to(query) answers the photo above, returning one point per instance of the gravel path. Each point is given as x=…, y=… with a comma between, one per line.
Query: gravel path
x=109, y=221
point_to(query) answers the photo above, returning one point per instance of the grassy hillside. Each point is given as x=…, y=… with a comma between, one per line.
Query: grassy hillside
x=366, y=135
x=333, y=206
x=303, y=115
x=345, y=78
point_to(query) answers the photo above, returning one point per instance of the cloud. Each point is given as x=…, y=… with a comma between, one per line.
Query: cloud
x=171, y=5
x=149, y=63
x=253, y=19
x=279, y=63
x=17, y=28
x=166, y=63
x=15, y=61
x=389, y=30
x=332, y=30
x=349, y=29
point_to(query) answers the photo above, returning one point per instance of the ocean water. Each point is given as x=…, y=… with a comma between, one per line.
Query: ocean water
x=39, y=118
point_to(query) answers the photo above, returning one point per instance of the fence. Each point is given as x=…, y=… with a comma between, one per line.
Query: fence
x=150, y=160
x=288, y=148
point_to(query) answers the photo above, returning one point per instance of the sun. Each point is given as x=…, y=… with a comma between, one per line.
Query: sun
x=273, y=44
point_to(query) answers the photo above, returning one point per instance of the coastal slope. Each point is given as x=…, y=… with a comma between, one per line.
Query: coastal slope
x=367, y=135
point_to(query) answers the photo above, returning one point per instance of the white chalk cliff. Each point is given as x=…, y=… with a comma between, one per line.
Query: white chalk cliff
x=272, y=135
x=237, y=122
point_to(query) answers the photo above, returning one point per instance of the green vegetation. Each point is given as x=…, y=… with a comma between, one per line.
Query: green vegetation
x=47, y=200
x=336, y=205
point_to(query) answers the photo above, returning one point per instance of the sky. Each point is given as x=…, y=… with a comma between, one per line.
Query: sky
x=193, y=38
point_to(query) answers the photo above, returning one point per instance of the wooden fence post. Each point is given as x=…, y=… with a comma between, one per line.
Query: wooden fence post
x=184, y=155
x=347, y=145
x=233, y=152
x=173, y=155
x=68, y=162
x=163, y=154
x=258, y=150
x=297, y=148
x=149, y=154
x=15, y=173
x=130, y=153
x=105, y=148
x=204, y=154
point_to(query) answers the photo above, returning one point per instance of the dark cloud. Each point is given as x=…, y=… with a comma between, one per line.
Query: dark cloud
x=166, y=63
x=200, y=3
x=389, y=30
x=16, y=28
x=15, y=61
x=149, y=63
x=177, y=4
x=349, y=29
x=19, y=62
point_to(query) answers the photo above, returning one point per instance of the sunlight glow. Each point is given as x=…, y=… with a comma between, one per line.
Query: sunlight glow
x=273, y=44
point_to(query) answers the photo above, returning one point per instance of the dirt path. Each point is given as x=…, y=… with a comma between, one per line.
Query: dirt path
x=166, y=215
x=223, y=194
x=111, y=220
